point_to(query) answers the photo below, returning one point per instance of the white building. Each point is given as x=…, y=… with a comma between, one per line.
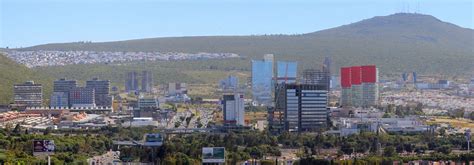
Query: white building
x=177, y=89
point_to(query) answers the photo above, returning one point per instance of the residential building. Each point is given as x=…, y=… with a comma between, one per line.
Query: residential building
x=356, y=86
x=60, y=95
x=131, y=83
x=370, y=87
x=262, y=80
x=63, y=85
x=346, y=91
x=29, y=94
x=59, y=99
x=101, y=92
x=233, y=107
x=359, y=86
x=147, y=81
x=82, y=97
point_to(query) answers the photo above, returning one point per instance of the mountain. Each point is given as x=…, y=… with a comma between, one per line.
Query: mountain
x=14, y=73
x=396, y=43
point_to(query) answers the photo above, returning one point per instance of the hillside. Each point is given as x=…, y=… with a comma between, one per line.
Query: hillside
x=12, y=73
x=396, y=43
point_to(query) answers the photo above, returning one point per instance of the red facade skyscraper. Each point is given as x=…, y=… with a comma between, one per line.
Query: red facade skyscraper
x=356, y=75
x=359, y=86
x=346, y=77
x=369, y=74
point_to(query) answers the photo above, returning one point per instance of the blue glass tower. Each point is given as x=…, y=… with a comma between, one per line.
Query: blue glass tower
x=262, y=77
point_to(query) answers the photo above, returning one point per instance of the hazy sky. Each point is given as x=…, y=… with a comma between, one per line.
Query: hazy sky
x=31, y=22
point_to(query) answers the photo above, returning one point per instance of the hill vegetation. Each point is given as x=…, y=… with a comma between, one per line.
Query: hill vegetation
x=396, y=43
x=14, y=73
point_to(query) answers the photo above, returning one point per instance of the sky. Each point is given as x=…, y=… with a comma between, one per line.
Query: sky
x=26, y=23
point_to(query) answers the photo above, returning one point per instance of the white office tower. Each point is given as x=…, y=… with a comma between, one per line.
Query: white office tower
x=233, y=107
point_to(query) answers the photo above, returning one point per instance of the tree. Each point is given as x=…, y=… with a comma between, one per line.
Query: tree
x=47, y=131
x=17, y=129
x=8, y=128
x=389, y=151
x=386, y=115
x=445, y=149
x=471, y=116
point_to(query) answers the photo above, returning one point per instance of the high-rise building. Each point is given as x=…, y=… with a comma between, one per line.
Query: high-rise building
x=229, y=83
x=356, y=86
x=315, y=77
x=404, y=76
x=327, y=68
x=370, y=88
x=335, y=82
x=147, y=81
x=233, y=107
x=359, y=86
x=415, y=77
x=131, y=83
x=346, y=90
x=304, y=106
x=101, y=92
x=262, y=80
x=60, y=96
x=59, y=99
x=327, y=65
x=63, y=85
x=82, y=97
x=29, y=94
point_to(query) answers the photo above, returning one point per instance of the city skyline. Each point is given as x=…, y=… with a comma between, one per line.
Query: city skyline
x=113, y=21
x=261, y=82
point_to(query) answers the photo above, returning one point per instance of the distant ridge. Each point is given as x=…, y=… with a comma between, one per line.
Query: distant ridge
x=396, y=43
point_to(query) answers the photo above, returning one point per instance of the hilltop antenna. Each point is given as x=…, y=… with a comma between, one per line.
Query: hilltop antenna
x=417, y=9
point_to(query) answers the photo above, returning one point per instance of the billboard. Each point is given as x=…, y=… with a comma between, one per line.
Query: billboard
x=41, y=147
x=213, y=155
x=153, y=140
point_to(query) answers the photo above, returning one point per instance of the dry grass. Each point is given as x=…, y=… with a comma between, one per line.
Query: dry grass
x=458, y=122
